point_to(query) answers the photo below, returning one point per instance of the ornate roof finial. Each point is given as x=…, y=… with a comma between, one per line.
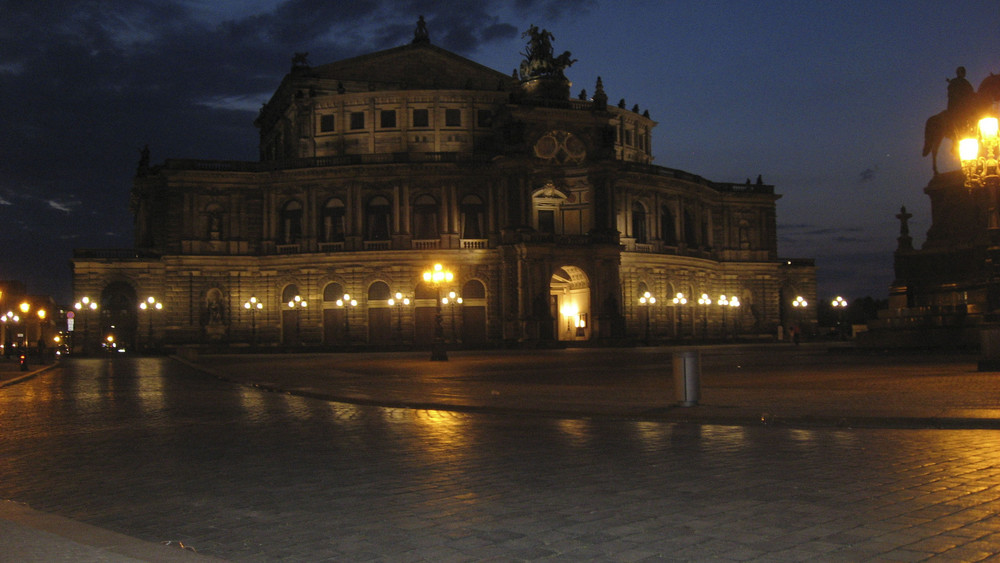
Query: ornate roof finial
x=420, y=35
x=600, y=98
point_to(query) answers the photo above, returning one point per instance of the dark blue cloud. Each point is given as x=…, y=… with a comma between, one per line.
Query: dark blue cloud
x=84, y=85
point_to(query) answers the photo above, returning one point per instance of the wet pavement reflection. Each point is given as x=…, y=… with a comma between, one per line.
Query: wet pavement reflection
x=155, y=450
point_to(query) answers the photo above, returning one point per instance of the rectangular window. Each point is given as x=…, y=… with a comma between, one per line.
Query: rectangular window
x=388, y=119
x=421, y=118
x=452, y=118
x=484, y=118
x=357, y=120
x=546, y=221
x=326, y=123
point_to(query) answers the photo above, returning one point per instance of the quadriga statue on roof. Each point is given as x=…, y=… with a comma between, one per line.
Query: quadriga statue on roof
x=538, y=60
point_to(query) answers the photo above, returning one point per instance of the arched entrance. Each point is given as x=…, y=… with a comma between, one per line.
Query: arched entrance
x=118, y=317
x=291, y=315
x=333, y=316
x=424, y=312
x=569, y=289
x=474, y=314
x=379, y=314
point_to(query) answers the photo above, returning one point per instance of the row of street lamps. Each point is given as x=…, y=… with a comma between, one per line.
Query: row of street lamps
x=679, y=299
x=647, y=300
x=436, y=277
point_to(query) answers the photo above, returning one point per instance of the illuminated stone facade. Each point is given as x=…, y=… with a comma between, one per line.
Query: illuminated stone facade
x=546, y=208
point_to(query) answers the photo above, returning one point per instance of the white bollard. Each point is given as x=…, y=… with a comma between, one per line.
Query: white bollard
x=687, y=377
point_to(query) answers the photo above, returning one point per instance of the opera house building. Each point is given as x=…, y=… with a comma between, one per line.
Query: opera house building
x=540, y=209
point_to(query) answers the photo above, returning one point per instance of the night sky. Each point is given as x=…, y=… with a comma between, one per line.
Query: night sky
x=825, y=100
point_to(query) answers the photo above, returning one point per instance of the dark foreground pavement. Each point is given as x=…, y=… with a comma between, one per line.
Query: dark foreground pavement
x=806, y=386
x=813, y=385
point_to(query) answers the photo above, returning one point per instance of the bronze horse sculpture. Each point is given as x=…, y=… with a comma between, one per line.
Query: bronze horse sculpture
x=958, y=122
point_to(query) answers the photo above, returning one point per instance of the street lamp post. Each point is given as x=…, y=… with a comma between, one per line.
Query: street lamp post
x=13, y=320
x=25, y=309
x=398, y=301
x=800, y=304
x=436, y=276
x=84, y=305
x=253, y=305
x=150, y=304
x=451, y=301
x=704, y=300
x=724, y=303
x=680, y=300
x=296, y=304
x=734, y=303
x=646, y=301
x=346, y=302
x=979, y=157
x=839, y=304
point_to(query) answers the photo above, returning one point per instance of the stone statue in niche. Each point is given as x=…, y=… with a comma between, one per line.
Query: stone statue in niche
x=213, y=316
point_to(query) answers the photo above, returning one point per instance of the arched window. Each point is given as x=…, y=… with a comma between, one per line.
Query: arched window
x=378, y=216
x=378, y=291
x=690, y=229
x=333, y=291
x=639, y=222
x=473, y=212
x=425, y=291
x=668, y=229
x=473, y=289
x=289, y=293
x=331, y=221
x=291, y=222
x=425, y=218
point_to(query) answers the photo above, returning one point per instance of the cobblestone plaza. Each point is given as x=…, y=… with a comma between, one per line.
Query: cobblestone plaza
x=158, y=451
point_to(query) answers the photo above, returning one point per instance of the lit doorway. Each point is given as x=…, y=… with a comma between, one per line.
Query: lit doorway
x=569, y=289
